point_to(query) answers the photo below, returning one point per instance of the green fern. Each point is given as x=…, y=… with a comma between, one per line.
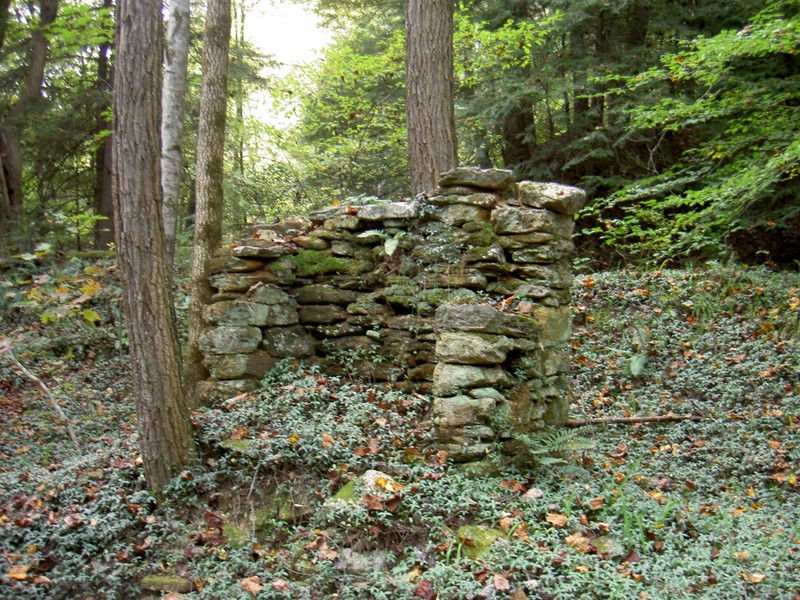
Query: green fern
x=548, y=447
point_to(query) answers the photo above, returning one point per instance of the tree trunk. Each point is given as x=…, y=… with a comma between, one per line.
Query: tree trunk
x=430, y=116
x=172, y=113
x=163, y=417
x=103, y=195
x=10, y=153
x=210, y=155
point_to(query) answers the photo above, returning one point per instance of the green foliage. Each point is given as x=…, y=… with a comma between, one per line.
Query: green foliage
x=735, y=96
x=351, y=133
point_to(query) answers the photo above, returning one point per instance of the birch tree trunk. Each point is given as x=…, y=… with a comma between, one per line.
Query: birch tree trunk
x=430, y=115
x=163, y=417
x=172, y=114
x=208, y=185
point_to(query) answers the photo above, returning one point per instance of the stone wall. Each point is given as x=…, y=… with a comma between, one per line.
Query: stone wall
x=463, y=293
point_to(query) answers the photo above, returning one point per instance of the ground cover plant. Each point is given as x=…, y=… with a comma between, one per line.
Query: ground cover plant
x=707, y=507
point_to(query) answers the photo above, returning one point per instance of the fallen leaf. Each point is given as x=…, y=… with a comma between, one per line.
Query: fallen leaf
x=327, y=440
x=753, y=577
x=582, y=568
x=239, y=433
x=18, y=572
x=280, y=585
x=373, y=502
x=579, y=541
x=596, y=503
x=425, y=590
x=742, y=555
x=506, y=523
x=500, y=583
x=556, y=519
x=252, y=584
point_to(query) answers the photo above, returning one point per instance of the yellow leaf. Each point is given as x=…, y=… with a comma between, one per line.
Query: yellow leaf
x=753, y=577
x=90, y=288
x=337, y=203
x=582, y=568
x=293, y=439
x=742, y=555
x=18, y=572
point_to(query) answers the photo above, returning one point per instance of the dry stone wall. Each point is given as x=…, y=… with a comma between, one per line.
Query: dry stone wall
x=462, y=293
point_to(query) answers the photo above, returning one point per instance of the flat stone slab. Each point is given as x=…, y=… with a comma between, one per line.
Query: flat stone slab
x=481, y=318
x=565, y=199
x=489, y=179
x=458, y=347
x=390, y=210
x=230, y=340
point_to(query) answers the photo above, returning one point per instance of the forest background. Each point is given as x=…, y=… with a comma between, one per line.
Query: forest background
x=678, y=118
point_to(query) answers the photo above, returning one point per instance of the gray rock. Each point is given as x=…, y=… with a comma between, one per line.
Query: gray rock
x=241, y=282
x=285, y=342
x=308, y=242
x=514, y=242
x=389, y=210
x=451, y=380
x=230, y=340
x=456, y=215
x=324, y=294
x=459, y=411
x=515, y=220
x=259, y=248
x=249, y=313
x=482, y=318
x=348, y=222
x=232, y=264
x=563, y=199
x=458, y=347
x=490, y=179
x=270, y=294
x=320, y=216
x=238, y=366
x=322, y=314
x=483, y=199
x=362, y=563
x=212, y=391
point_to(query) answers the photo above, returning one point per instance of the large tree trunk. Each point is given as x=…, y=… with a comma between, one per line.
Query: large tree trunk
x=10, y=154
x=430, y=116
x=163, y=417
x=103, y=195
x=210, y=154
x=172, y=113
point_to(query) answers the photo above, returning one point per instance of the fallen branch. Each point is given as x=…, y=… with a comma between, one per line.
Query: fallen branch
x=630, y=420
x=5, y=348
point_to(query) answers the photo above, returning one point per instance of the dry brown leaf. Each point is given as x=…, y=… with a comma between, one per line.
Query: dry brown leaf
x=579, y=541
x=18, y=572
x=753, y=577
x=506, y=523
x=556, y=519
x=252, y=584
x=280, y=585
x=327, y=440
x=597, y=503
x=500, y=583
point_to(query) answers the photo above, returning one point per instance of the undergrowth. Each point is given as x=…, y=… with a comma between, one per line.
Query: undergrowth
x=707, y=508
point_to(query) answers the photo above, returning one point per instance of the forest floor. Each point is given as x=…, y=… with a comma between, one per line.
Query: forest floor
x=706, y=507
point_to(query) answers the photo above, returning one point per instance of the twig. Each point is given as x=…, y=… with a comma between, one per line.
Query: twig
x=630, y=420
x=5, y=348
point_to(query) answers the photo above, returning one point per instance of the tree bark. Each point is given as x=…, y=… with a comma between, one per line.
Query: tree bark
x=103, y=196
x=163, y=417
x=430, y=115
x=210, y=158
x=172, y=114
x=10, y=154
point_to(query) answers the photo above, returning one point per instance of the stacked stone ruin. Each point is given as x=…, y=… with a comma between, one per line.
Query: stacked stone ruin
x=463, y=293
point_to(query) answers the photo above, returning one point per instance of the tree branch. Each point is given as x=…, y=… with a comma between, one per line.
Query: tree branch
x=631, y=420
x=5, y=348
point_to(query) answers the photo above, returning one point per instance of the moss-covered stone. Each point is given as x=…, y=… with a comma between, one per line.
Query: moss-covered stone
x=317, y=262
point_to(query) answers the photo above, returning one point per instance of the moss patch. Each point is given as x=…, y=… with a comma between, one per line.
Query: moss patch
x=316, y=262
